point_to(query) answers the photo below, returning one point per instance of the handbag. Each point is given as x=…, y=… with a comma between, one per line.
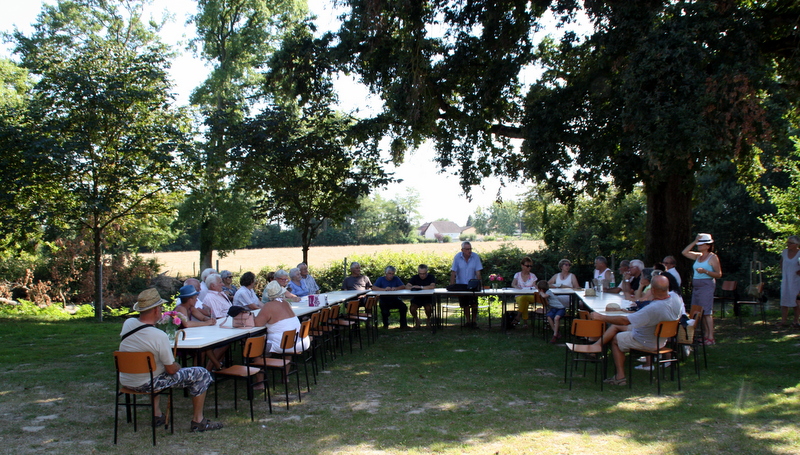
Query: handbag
x=242, y=318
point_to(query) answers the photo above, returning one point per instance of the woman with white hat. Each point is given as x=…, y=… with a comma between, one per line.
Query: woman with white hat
x=706, y=271
x=277, y=316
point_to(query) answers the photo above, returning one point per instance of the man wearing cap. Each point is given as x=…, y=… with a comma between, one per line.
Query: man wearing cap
x=140, y=335
x=228, y=288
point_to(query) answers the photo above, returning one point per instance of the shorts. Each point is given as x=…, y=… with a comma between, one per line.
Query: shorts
x=626, y=342
x=556, y=312
x=196, y=379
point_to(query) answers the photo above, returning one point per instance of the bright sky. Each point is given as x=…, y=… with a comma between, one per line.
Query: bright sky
x=419, y=170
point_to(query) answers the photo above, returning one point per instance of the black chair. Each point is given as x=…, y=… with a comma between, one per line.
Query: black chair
x=666, y=356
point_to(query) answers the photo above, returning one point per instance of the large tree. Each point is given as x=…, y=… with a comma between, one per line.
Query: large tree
x=299, y=158
x=657, y=91
x=236, y=37
x=102, y=136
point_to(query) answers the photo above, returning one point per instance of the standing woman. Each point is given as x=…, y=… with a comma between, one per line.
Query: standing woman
x=524, y=279
x=790, y=280
x=706, y=271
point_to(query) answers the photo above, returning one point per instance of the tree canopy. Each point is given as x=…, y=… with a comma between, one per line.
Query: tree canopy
x=101, y=138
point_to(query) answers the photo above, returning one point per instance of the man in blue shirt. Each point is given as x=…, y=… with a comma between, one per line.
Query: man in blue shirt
x=390, y=282
x=466, y=266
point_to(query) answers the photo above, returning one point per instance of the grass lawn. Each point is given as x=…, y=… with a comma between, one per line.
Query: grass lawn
x=459, y=391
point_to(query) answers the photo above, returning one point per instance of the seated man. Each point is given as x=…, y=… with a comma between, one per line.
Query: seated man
x=637, y=330
x=296, y=284
x=624, y=268
x=423, y=280
x=215, y=300
x=308, y=281
x=390, y=282
x=632, y=279
x=282, y=278
x=356, y=281
x=140, y=335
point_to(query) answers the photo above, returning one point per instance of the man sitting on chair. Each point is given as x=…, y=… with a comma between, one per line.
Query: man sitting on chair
x=642, y=324
x=422, y=280
x=141, y=335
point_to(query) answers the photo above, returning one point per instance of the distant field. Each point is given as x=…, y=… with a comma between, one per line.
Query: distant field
x=186, y=263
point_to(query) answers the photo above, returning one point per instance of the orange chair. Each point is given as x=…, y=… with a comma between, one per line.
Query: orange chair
x=253, y=355
x=138, y=363
x=586, y=352
x=306, y=355
x=285, y=365
x=660, y=356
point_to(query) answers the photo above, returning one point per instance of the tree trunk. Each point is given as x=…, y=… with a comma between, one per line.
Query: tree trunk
x=670, y=199
x=206, y=245
x=97, y=238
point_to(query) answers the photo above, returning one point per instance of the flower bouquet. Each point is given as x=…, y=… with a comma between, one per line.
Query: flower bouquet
x=170, y=322
x=496, y=280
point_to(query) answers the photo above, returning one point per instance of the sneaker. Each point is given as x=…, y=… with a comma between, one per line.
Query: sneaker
x=687, y=351
x=554, y=340
x=642, y=359
x=643, y=367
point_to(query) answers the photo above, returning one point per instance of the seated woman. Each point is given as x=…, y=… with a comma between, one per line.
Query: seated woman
x=564, y=279
x=193, y=317
x=245, y=296
x=296, y=285
x=524, y=279
x=277, y=316
x=282, y=280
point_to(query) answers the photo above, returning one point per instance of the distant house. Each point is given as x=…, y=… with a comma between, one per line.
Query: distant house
x=445, y=228
x=469, y=230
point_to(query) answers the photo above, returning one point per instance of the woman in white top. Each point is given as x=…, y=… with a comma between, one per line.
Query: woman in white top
x=524, y=279
x=790, y=280
x=564, y=279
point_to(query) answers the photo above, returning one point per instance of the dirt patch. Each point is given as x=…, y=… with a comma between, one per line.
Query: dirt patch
x=186, y=263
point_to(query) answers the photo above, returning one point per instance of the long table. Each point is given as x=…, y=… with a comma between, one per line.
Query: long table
x=208, y=337
x=578, y=298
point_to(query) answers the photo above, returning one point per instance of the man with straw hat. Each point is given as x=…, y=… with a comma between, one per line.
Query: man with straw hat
x=140, y=335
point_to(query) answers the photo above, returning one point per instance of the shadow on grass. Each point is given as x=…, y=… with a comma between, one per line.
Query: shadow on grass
x=413, y=392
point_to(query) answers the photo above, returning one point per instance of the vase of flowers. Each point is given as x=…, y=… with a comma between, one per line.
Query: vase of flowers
x=496, y=280
x=170, y=322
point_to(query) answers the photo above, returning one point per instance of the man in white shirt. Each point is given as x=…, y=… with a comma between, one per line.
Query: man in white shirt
x=140, y=335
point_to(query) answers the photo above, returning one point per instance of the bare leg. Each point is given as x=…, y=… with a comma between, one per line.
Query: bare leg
x=619, y=359
x=709, y=326
x=197, y=407
x=797, y=315
x=785, y=314
x=415, y=314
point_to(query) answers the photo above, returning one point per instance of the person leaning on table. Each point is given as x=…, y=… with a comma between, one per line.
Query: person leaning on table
x=390, y=282
x=637, y=330
x=296, y=285
x=138, y=335
x=422, y=280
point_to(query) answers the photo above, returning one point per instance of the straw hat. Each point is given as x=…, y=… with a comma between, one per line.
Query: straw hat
x=274, y=290
x=149, y=298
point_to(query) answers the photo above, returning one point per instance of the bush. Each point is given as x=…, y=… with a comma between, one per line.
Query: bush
x=330, y=278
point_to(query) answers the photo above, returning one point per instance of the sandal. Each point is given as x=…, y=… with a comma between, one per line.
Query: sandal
x=615, y=381
x=205, y=425
x=161, y=421
x=709, y=342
